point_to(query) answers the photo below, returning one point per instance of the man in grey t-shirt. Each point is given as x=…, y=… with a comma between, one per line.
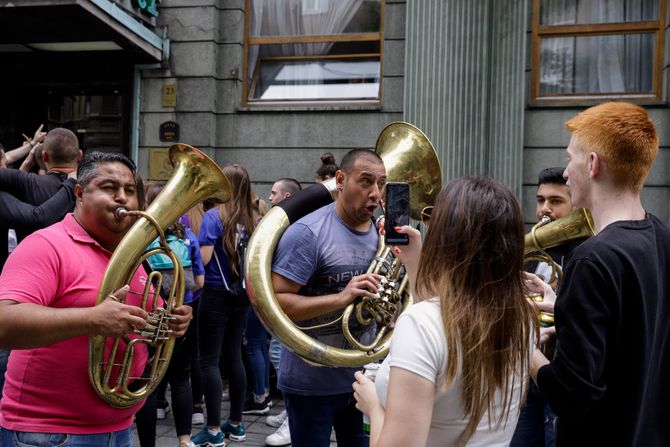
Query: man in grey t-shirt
x=318, y=269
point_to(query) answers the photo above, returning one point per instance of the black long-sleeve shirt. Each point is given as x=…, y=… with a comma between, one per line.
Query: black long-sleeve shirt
x=29, y=187
x=29, y=202
x=609, y=383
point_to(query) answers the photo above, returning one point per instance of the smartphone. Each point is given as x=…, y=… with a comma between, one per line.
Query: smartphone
x=397, y=212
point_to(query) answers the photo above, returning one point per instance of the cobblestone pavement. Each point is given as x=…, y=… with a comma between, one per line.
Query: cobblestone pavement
x=256, y=429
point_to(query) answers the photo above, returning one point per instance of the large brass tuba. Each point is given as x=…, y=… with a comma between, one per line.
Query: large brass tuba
x=409, y=157
x=547, y=234
x=195, y=178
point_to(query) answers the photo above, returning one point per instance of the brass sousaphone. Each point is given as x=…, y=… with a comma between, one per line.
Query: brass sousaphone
x=195, y=178
x=408, y=157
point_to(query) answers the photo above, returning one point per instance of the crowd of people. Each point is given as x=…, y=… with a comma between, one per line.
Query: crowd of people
x=468, y=362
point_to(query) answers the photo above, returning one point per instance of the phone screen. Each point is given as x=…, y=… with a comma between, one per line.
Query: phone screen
x=397, y=212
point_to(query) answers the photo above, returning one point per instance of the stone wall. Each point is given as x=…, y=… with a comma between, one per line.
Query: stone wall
x=206, y=63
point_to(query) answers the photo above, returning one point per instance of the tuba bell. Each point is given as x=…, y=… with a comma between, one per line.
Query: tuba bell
x=408, y=157
x=195, y=178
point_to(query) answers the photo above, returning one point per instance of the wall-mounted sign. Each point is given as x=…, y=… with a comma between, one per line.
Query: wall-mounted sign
x=169, y=95
x=160, y=167
x=168, y=131
x=145, y=10
x=147, y=6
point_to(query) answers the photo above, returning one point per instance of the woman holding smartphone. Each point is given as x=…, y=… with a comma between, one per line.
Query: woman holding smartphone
x=459, y=356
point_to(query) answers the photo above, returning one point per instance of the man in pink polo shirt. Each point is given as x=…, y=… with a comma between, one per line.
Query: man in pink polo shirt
x=48, y=290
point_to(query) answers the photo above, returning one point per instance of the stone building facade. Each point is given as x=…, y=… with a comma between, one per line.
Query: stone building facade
x=476, y=77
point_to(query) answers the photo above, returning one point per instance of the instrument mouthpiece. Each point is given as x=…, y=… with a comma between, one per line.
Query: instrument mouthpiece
x=120, y=213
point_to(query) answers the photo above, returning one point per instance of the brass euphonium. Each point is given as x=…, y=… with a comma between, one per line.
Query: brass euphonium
x=408, y=157
x=195, y=178
x=547, y=234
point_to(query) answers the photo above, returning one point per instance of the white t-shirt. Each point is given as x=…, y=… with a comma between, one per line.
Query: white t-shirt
x=419, y=346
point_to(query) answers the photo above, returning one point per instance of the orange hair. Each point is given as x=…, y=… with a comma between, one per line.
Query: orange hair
x=622, y=135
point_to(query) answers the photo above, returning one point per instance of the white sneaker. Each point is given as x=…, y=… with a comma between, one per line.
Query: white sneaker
x=276, y=420
x=198, y=418
x=225, y=395
x=281, y=437
x=161, y=412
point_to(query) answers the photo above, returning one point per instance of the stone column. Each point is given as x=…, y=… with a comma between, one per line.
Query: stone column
x=464, y=84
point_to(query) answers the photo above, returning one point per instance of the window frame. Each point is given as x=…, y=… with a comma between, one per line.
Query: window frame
x=538, y=32
x=248, y=85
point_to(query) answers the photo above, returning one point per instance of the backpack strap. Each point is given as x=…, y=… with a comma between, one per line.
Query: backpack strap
x=223, y=277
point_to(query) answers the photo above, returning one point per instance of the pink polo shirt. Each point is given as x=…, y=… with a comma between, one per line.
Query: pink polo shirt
x=48, y=389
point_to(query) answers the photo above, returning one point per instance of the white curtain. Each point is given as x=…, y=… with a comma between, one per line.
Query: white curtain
x=597, y=64
x=296, y=18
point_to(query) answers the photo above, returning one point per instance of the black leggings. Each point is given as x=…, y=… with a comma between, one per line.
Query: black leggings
x=192, y=338
x=180, y=387
x=178, y=377
x=221, y=321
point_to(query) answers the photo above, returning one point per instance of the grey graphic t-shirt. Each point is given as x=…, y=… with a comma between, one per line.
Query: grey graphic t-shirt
x=321, y=253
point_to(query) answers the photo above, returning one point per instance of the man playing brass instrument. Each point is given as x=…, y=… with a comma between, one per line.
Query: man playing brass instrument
x=536, y=421
x=318, y=269
x=552, y=201
x=48, y=289
x=608, y=382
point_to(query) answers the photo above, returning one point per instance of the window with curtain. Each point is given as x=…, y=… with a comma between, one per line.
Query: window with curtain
x=313, y=50
x=592, y=49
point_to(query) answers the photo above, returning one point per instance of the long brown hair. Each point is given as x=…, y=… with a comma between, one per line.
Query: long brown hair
x=238, y=210
x=195, y=215
x=472, y=260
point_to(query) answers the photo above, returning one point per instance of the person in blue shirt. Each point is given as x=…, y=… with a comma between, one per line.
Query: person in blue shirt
x=319, y=268
x=223, y=307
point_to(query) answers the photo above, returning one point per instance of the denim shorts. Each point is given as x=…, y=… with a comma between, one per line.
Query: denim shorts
x=10, y=438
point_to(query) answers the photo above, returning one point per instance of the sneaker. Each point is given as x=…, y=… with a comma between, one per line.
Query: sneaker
x=253, y=407
x=198, y=417
x=186, y=444
x=206, y=439
x=162, y=409
x=280, y=437
x=276, y=420
x=225, y=395
x=234, y=433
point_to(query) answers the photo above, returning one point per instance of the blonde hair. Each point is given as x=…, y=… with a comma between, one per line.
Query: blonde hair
x=623, y=135
x=472, y=261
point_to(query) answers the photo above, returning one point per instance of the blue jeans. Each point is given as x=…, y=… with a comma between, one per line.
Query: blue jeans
x=274, y=353
x=536, y=422
x=10, y=438
x=311, y=419
x=257, y=354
